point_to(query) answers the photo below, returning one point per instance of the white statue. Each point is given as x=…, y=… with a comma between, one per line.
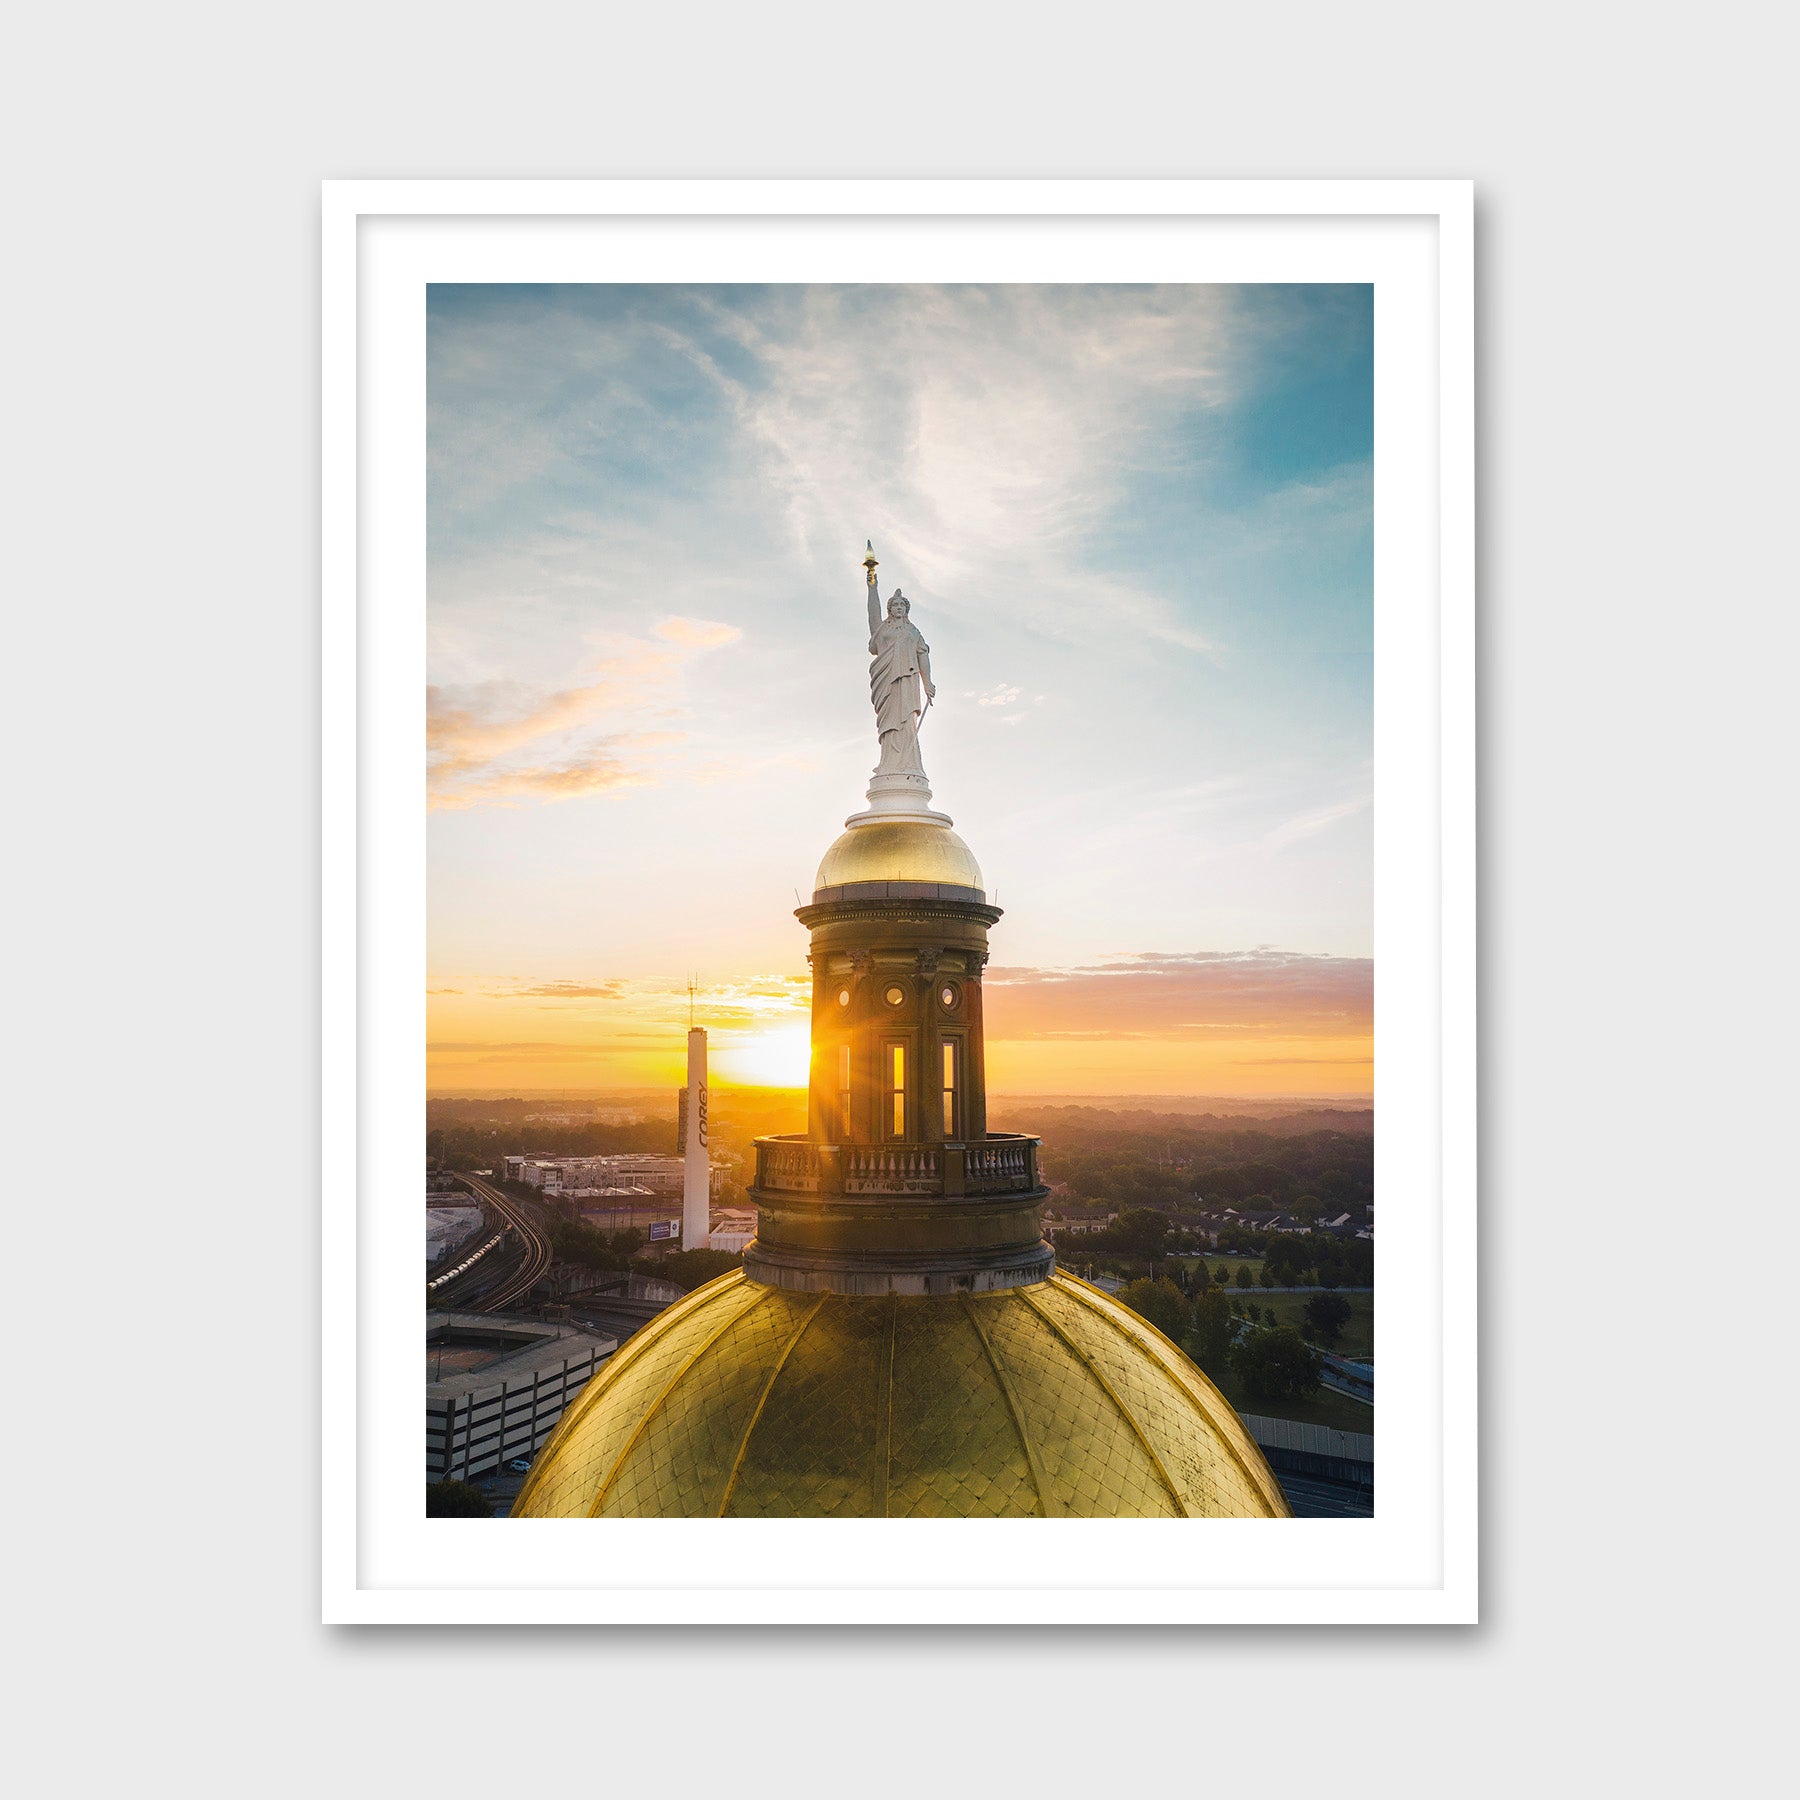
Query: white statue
x=899, y=673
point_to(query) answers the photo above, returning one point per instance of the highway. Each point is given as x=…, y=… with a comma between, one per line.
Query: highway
x=526, y=1239
x=1313, y=1497
x=617, y=1313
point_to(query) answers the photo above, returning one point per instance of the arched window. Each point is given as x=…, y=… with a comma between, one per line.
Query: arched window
x=893, y=1111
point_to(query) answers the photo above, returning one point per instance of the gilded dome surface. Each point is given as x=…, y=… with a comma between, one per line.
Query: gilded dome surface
x=899, y=849
x=751, y=1401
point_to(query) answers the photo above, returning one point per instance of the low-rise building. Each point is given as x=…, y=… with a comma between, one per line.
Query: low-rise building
x=731, y=1230
x=449, y=1225
x=495, y=1387
x=1075, y=1221
x=563, y=1175
x=634, y=1209
x=1210, y=1224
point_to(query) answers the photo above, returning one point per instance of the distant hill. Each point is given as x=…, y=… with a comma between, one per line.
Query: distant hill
x=1243, y=1105
x=1165, y=1112
x=775, y=1109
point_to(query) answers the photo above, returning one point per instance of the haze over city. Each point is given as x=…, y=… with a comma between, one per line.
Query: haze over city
x=1135, y=527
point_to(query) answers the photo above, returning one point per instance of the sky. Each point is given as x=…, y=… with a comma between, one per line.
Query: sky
x=1135, y=525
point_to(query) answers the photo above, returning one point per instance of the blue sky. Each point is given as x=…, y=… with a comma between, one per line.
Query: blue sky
x=1135, y=524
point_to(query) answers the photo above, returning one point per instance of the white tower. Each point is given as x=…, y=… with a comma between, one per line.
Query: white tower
x=696, y=1192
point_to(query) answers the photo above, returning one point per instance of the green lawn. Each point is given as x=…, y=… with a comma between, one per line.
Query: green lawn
x=1358, y=1338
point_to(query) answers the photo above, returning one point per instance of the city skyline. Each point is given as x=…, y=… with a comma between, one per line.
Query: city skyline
x=1135, y=525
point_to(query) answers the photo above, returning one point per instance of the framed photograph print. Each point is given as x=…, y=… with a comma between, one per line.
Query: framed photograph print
x=899, y=865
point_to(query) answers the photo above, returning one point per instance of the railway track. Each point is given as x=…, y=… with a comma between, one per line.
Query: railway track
x=533, y=1242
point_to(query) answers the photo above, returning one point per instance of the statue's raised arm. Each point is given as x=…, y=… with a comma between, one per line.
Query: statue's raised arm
x=874, y=597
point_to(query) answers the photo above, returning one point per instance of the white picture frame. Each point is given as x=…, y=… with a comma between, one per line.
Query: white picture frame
x=382, y=1561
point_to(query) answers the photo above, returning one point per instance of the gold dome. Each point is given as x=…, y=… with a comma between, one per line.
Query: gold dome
x=751, y=1401
x=899, y=849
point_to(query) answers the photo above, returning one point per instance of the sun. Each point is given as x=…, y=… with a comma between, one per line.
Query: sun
x=776, y=1058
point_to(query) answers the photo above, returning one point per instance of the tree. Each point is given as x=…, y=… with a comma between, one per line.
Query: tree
x=1286, y=1261
x=694, y=1268
x=456, y=1500
x=1213, y=1330
x=1267, y=1276
x=1140, y=1232
x=1161, y=1303
x=1243, y=1276
x=1200, y=1278
x=1278, y=1365
x=1328, y=1314
x=584, y=1245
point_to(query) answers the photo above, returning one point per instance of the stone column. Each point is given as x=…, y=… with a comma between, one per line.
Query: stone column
x=931, y=1049
x=975, y=1075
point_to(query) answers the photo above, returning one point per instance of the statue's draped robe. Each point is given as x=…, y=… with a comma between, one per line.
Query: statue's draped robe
x=895, y=690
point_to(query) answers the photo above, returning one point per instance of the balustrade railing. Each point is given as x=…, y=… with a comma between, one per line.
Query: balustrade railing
x=994, y=1165
x=892, y=1169
x=998, y=1165
x=792, y=1168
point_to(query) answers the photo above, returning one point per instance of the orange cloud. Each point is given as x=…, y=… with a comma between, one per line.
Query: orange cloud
x=697, y=634
x=496, y=742
x=567, y=990
x=1220, y=994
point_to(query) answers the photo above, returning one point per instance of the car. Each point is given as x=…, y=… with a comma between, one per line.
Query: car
x=520, y=1465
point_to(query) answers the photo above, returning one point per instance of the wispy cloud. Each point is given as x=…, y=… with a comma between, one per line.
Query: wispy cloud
x=984, y=435
x=1312, y=822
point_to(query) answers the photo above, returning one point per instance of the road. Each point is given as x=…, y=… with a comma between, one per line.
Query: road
x=615, y=1313
x=1311, y=1497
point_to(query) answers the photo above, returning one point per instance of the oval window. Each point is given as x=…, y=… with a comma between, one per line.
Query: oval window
x=843, y=996
x=947, y=994
x=895, y=996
